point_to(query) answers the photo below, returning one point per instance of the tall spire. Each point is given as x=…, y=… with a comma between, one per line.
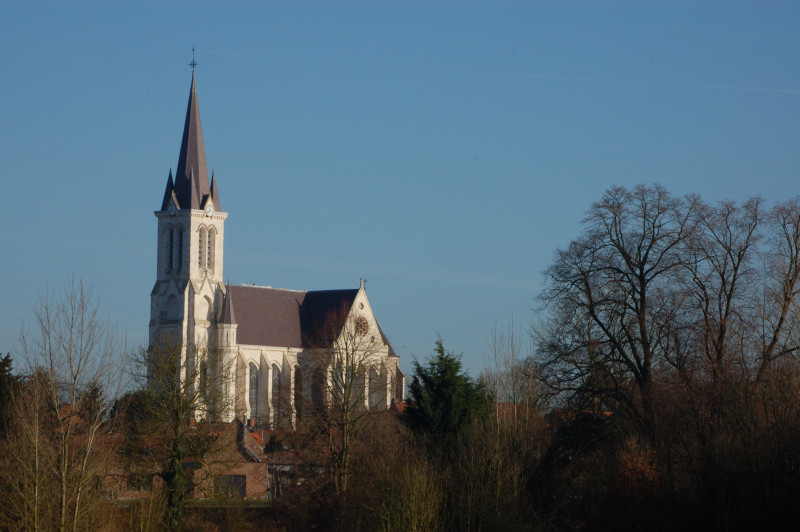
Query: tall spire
x=191, y=177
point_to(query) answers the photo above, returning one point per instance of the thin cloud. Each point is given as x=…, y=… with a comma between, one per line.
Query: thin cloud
x=326, y=264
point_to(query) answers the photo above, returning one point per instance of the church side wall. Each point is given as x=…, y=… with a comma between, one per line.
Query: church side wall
x=271, y=405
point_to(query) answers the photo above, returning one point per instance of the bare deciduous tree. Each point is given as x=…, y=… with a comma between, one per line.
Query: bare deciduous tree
x=29, y=459
x=183, y=392
x=719, y=274
x=610, y=296
x=75, y=360
x=343, y=391
x=779, y=323
x=511, y=376
x=679, y=314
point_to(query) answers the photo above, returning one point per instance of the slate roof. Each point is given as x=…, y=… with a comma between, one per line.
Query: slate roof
x=191, y=184
x=266, y=316
x=323, y=308
x=284, y=318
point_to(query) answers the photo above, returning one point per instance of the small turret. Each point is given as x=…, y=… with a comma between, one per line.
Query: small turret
x=214, y=193
x=228, y=318
x=168, y=191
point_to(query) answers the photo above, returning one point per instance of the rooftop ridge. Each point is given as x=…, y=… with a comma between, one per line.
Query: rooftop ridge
x=334, y=290
x=270, y=288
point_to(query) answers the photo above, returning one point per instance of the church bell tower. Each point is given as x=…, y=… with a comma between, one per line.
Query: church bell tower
x=187, y=297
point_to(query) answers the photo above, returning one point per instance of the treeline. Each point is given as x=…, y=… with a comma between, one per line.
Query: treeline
x=670, y=328
x=657, y=389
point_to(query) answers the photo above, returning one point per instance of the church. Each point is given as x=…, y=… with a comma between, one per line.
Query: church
x=283, y=348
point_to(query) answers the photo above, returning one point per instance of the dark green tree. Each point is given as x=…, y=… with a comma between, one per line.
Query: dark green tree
x=90, y=401
x=443, y=399
x=8, y=383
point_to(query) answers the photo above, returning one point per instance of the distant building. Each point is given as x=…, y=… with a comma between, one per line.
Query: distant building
x=270, y=337
x=237, y=467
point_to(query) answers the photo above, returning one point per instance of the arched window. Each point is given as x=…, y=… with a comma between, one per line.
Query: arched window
x=212, y=236
x=358, y=391
x=177, y=261
x=318, y=388
x=253, y=391
x=375, y=395
x=298, y=392
x=338, y=384
x=276, y=383
x=203, y=379
x=276, y=403
x=201, y=257
x=170, y=238
x=205, y=309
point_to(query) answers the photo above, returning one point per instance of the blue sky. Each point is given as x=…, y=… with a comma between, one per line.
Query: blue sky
x=441, y=150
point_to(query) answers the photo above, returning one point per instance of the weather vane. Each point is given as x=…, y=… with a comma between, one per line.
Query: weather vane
x=193, y=63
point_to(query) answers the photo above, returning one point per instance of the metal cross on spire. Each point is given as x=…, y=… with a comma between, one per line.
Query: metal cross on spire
x=193, y=63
